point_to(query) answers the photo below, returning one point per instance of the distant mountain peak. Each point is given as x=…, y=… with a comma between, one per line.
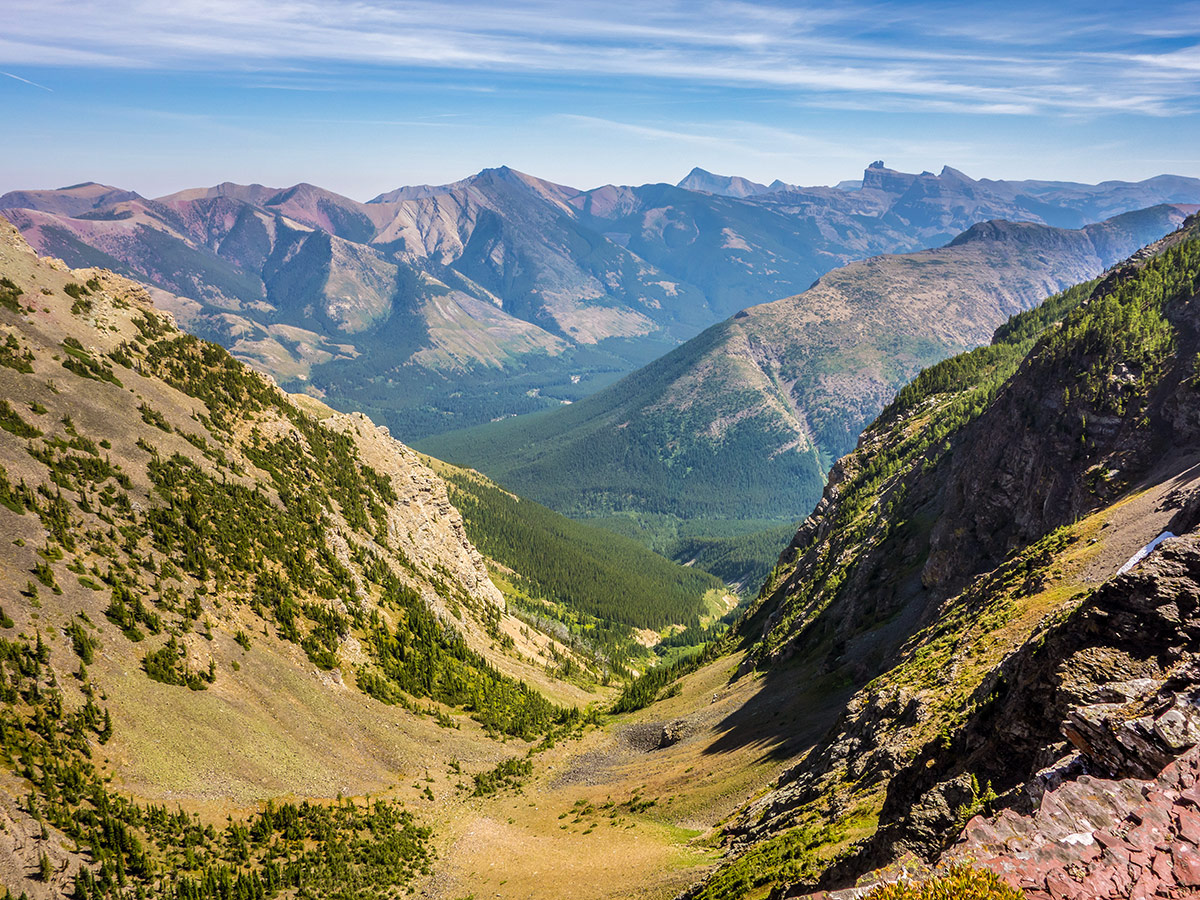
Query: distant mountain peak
x=949, y=172
x=69, y=201
x=723, y=185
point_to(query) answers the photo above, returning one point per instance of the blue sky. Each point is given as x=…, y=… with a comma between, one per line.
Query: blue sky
x=362, y=96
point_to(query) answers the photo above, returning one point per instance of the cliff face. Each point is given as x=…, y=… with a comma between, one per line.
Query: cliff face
x=962, y=568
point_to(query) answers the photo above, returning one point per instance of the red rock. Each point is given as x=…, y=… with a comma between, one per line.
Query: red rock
x=980, y=831
x=1115, y=856
x=1145, y=835
x=1145, y=888
x=1191, y=795
x=1108, y=839
x=1063, y=887
x=1186, y=867
x=1163, y=867
x=1096, y=885
x=1158, y=809
x=1188, y=824
x=1086, y=853
x=1121, y=880
x=1109, y=881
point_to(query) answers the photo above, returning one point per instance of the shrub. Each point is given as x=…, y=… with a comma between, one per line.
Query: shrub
x=959, y=883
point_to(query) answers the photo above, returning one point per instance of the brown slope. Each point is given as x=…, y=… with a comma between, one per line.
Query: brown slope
x=272, y=722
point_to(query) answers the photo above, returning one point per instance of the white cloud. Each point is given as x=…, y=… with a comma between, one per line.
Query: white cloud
x=883, y=56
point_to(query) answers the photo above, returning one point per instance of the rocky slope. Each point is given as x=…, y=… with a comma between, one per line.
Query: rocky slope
x=962, y=574
x=435, y=307
x=743, y=421
x=214, y=594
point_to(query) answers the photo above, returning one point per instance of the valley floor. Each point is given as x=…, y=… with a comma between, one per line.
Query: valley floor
x=631, y=810
x=628, y=809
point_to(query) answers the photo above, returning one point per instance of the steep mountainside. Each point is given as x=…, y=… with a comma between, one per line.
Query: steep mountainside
x=963, y=573
x=214, y=594
x=743, y=421
x=437, y=307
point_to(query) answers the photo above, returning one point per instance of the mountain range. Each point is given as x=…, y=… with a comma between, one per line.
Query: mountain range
x=743, y=422
x=439, y=307
x=254, y=647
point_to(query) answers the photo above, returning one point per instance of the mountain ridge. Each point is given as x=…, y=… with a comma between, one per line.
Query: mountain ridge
x=582, y=285
x=766, y=400
x=964, y=573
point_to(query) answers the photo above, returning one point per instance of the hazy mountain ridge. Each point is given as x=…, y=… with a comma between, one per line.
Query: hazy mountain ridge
x=384, y=306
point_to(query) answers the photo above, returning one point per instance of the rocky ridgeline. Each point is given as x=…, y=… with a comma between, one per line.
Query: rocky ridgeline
x=1096, y=838
x=1120, y=815
x=1114, y=689
x=422, y=522
x=969, y=590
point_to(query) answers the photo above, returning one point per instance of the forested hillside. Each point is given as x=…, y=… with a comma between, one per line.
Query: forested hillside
x=963, y=575
x=185, y=541
x=742, y=422
x=598, y=585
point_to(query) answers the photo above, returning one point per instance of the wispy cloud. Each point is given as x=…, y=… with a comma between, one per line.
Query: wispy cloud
x=927, y=57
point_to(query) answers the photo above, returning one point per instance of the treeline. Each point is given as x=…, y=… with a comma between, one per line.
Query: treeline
x=1119, y=343
x=659, y=682
x=585, y=568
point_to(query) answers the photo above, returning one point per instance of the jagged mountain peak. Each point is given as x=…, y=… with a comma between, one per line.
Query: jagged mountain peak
x=949, y=173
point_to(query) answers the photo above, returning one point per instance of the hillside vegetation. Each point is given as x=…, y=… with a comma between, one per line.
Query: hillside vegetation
x=961, y=573
x=599, y=586
x=179, y=528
